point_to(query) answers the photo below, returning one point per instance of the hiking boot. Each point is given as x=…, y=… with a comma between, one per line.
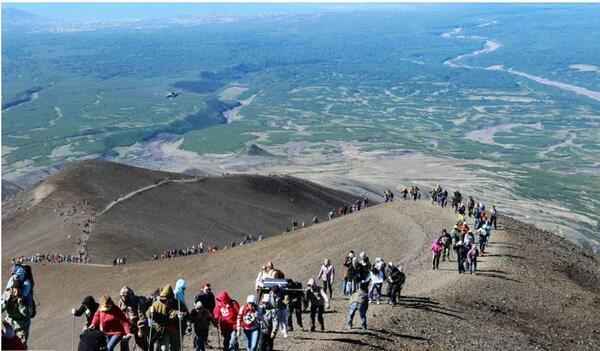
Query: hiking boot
x=322, y=328
x=312, y=329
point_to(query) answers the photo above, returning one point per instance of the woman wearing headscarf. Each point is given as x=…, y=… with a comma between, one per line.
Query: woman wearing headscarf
x=111, y=321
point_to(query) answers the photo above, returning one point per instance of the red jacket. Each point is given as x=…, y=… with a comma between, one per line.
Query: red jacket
x=112, y=322
x=246, y=319
x=226, y=312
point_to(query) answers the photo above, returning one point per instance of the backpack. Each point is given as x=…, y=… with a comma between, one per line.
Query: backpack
x=92, y=340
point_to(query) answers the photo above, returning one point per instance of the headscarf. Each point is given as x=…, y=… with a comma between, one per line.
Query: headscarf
x=179, y=291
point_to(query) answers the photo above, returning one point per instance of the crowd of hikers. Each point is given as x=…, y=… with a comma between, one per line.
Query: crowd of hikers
x=162, y=320
x=49, y=259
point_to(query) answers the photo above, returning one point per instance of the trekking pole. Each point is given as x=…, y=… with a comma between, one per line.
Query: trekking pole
x=180, y=327
x=73, y=335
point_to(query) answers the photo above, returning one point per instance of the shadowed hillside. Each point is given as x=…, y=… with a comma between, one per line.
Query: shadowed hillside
x=118, y=210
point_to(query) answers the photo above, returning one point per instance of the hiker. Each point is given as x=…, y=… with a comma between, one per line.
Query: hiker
x=436, y=248
x=179, y=292
x=18, y=312
x=404, y=193
x=164, y=319
x=247, y=322
x=359, y=301
x=318, y=301
x=295, y=296
x=111, y=321
x=395, y=279
x=364, y=265
x=23, y=274
x=377, y=277
x=268, y=324
x=134, y=308
x=272, y=272
x=330, y=214
x=10, y=340
x=472, y=258
x=461, y=212
x=482, y=240
x=494, y=217
x=470, y=206
x=278, y=298
x=469, y=240
x=225, y=314
x=207, y=298
x=461, y=255
x=88, y=307
x=348, y=286
x=446, y=239
x=262, y=274
x=327, y=276
x=200, y=318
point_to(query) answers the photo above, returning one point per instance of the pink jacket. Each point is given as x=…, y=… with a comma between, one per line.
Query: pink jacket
x=436, y=247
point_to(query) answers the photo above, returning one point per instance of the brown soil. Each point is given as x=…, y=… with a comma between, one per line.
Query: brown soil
x=534, y=291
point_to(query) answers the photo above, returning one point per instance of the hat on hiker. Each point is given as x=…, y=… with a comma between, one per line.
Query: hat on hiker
x=310, y=282
x=251, y=299
x=166, y=292
x=198, y=304
x=106, y=303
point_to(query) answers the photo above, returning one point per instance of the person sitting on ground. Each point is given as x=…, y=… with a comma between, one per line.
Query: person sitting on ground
x=327, y=276
x=248, y=323
x=317, y=300
x=88, y=307
x=359, y=301
x=200, y=319
x=110, y=320
x=225, y=314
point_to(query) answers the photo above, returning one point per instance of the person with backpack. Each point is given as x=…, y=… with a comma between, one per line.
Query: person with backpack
x=317, y=300
x=396, y=279
x=359, y=301
x=461, y=255
x=436, y=249
x=10, y=340
x=472, y=255
x=134, y=308
x=446, y=239
x=16, y=310
x=377, y=277
x=23, y=274
x=248, y=323
x=200, y=319
x=225, y=314
x=327, y=276
x=494, y=217
x=163, y=320
x=278, y=300
x=207, y=297
x=348, y=287
x=111, y=321
x=295, y=296
x=88, y=307
x=268, y=324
